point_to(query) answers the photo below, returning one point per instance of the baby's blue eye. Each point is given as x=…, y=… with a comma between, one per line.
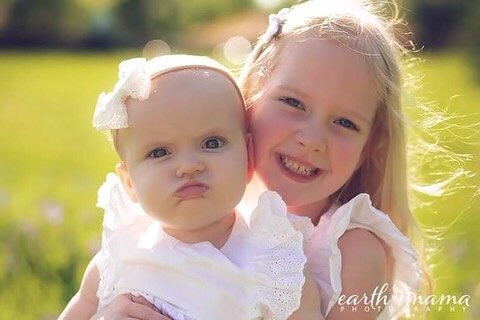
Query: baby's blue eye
x=346, y=123
x=213, y=143
x=292, y=102
x=158, y=153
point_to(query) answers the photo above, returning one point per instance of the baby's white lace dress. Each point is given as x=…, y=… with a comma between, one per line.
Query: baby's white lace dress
x=258, y=273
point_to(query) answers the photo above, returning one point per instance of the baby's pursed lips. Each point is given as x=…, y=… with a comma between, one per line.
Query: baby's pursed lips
x=191, y=189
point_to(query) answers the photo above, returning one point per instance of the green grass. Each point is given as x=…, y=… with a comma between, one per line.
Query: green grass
x=51, y=165
x=52, y=162
x=448, y=85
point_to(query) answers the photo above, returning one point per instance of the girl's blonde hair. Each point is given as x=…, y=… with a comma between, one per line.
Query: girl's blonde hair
x=370, y=30
x=360, y=27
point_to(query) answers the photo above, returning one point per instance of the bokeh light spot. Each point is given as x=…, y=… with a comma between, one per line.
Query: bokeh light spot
x=155, y=48
x=236, y=49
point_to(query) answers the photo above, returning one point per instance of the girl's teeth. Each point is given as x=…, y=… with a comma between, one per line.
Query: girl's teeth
x=297, y=168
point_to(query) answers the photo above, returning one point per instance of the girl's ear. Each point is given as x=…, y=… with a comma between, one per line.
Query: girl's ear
x=251, y=157
x=122, y=172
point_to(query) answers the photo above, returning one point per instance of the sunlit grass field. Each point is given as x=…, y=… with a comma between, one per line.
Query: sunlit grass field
x=52, y=162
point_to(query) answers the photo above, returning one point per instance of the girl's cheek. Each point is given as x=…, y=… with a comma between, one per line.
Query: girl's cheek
x=346, y=148
x=259, y=117
x=273, y=115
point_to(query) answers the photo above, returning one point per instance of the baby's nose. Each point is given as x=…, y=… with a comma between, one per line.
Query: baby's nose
x=190, y=166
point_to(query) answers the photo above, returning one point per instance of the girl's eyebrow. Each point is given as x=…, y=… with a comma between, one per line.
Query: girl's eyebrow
x=292, y=89
x=361, y=117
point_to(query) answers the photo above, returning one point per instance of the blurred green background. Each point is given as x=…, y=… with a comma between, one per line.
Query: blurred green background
x=56, y=56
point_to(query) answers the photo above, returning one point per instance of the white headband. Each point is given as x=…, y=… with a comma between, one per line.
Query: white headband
x=275, y=22
x=134, y=80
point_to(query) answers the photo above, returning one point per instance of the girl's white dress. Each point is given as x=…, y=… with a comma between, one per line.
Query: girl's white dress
x=325, y=260
x=258, y=273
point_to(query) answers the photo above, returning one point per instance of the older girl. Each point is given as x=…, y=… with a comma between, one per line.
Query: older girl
x=323, y=91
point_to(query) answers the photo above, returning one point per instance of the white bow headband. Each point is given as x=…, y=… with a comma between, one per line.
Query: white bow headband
x=134, y=80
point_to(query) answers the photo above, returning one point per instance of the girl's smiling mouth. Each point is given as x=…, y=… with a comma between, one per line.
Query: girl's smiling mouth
x=296, y=169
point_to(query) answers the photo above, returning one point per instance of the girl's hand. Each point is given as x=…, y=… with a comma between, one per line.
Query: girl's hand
x=129, y=307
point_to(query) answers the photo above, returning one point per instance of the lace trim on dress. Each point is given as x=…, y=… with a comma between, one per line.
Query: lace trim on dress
x=282, y=265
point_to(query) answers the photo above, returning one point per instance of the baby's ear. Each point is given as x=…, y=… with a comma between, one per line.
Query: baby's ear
x=122, y=172
x=251, y=157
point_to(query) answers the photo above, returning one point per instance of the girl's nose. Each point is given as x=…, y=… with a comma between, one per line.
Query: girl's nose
x=312, y=138
x=189, y=167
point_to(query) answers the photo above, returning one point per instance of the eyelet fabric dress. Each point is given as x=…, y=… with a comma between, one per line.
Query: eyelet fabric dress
x=257, y=274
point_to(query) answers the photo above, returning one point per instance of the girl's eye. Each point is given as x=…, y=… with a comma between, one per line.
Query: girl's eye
x=346, y=123
x=292, y=102
x=158, y=153
x=213, y=143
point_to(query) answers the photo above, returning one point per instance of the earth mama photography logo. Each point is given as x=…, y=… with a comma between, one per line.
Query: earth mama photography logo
x=409, y=303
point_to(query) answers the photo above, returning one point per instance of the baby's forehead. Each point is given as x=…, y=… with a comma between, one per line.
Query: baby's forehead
x=187, y=95
x=197, y=79
x=196, y=66
x=192, y=86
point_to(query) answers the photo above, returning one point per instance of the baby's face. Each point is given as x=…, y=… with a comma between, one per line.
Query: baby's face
x=185, y=150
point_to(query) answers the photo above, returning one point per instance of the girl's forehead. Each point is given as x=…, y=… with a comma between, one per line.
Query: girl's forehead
x=317, y=57
x=325, y=72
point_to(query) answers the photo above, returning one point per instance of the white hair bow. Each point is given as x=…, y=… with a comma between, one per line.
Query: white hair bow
x=133, y=81
x=275, y=21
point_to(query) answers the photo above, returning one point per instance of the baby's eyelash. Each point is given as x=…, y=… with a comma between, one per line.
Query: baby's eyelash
x=158, y=153
x=213, y=143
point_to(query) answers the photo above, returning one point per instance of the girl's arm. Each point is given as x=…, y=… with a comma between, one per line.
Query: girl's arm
x=84, y=303
x=364, y=268
x=310, y=304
